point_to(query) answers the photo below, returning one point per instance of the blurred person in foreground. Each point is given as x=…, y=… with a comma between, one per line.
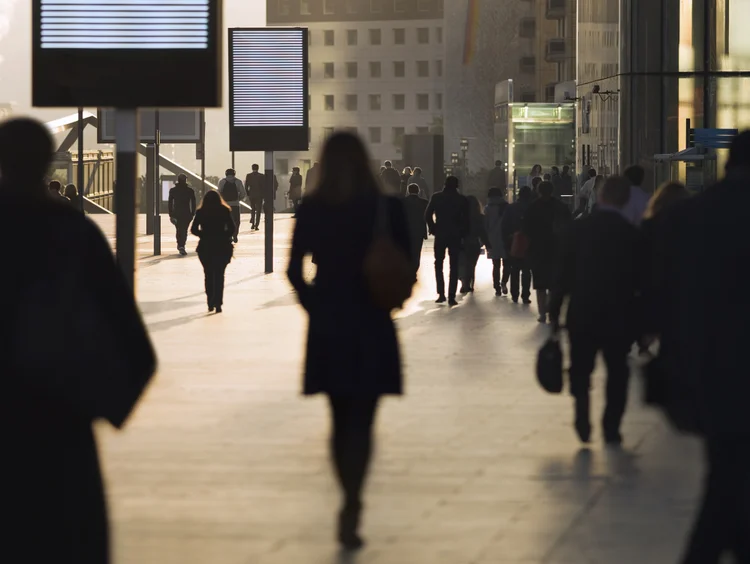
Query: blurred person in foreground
x=65, y=283
x=352, y=348
x=181, y=205
x=214, y=226
x=703, y=328
x=599, y=273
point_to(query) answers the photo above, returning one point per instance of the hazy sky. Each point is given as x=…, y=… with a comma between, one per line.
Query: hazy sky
x=15, y=81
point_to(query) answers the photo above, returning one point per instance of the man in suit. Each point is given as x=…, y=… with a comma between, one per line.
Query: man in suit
x=447, y=219
x=233, y=192
x=704, y=332
x=599, y=272
x=181, y=210
x=415, y=208
x=255, y=182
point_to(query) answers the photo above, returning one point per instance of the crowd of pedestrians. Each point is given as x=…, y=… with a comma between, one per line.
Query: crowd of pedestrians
x=619, y=275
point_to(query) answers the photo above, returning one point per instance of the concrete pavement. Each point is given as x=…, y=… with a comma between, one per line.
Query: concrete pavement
x=224, y=462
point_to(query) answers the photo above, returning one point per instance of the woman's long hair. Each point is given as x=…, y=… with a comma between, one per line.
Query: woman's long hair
x=345, y=170
x=666, y=195
x=71, y=191
x=213, y=203
x=406, y=172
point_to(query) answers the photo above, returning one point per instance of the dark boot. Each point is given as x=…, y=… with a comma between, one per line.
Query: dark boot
x=582, y=421
x=349, y=525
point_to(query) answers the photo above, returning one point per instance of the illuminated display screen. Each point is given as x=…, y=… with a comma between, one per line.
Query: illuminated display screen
x=124, y=24
x=268, y=81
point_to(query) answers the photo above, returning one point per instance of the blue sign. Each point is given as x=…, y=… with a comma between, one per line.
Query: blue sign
x=713, y=138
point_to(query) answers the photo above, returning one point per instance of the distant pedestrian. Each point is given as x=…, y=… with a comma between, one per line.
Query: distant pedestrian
x=498, y=177
x=493, y=214
x=181, y=210
x=638, y=201
x=232, y=192
x=601, y=275
x=405, y=176
x=214, y=226
x=391, y=179
x=556, y=178
x=54, y=189
x=61, y=280
x=593, y=201
x=255, y=183
x=586, y=194
x=418, y=179
x=545, y=224
x=312, y=177
x=512, y=228
x=71, y=193
x=566, y=185
x=415, y=208
x=535, y=182
x=352, y=349
x=448, y=220
x=295, y=188
x=473, y=241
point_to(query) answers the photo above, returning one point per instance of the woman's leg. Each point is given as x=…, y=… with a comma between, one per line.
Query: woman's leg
x=208, y=279
x=219, y=269
x=472, y=270
x=496, y=273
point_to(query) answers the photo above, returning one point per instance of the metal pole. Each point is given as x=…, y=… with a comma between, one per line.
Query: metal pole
x=233, y=161
x=203, y=152
x=269, y=200
x=157, y=189
x=148, y=191
x=80, y=180
x=126, y=138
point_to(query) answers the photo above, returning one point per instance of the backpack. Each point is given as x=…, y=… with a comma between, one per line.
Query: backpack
x=230, y=193
x=388, y=271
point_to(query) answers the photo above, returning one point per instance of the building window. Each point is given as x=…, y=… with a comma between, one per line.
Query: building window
x=304, y=7
x=351, y=70
x=423, y=101
x=423, y=35
x=351, y=6
x=327, y=132
x=283, y=9
x=352, y=102
x=328, y=38
x=328, y=71
x=375, y=38
x=399, y=69
x=375, y=69
x=423, y=69
x=439, y=101
x=328, y=7
x=374, y=134
x=399, y=102
x=351, y=37
x=375, y=102
x=399, y=6
x=439, y=35
x=282, y=167
x=399, y=36
x=527, y=27
x=376, y=6
x=328, y=104
x=423, y=130
x=527, y=64
x=439, y=69
x=528, y=97
x=398, y=136
x=424, y=5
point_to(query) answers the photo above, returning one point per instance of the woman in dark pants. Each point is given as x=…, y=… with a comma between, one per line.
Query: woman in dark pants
x=352, y=348
x=214, y=225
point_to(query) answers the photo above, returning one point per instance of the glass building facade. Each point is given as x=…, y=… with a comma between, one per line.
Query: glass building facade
x=646, y=67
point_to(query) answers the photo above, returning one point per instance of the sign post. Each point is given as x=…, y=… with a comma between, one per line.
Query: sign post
x=126, y=158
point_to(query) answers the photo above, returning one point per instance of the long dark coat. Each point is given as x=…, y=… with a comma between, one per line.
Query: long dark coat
x=352, y=348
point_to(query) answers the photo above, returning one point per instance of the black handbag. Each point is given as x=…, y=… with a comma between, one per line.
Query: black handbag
x=549, y=366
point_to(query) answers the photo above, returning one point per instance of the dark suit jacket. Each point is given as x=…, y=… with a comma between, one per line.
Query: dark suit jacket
x=182, y=202
x=447, y=215
x=599, y=270
x=415, y=208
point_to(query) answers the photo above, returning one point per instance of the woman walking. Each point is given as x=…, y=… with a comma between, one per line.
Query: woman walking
x=214, y=226
x=494, y=212
x=405, y=176
x=352, y=348
x=473, y=243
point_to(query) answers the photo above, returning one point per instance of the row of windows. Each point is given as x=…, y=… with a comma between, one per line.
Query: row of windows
x=375, y=134
x=375, y=36
x=351, y=6
x=376, y=69
x=375, y=102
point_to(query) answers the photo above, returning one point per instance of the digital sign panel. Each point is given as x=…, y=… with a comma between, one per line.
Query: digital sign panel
x=175, y=126
x=127, y=53
x=268, y=89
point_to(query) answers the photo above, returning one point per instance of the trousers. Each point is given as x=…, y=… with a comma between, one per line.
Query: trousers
x=468, y=264
x=416, y=251
x=583, y=350
x=723, y=522
x=520, y=275
x=351, y=443
x=497, y=266
x=256, y=207
x=181, y=227
x=453, y=247
x=236, y=219
x=214, y=268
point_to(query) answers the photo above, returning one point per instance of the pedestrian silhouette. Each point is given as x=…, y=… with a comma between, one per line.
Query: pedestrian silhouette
x=181, y=210
x=71, y=193
x=233, y=193
x=352, y=348
x=493, y=213
x=94, y=364
x=255, y=183
x=475, y=239
x=214, y=226
x=415, y=208
x=512, y=228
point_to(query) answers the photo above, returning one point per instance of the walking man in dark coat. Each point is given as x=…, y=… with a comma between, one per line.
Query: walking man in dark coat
x=181, y=210
x=391, y=179
x=599, y=272
x=255, y=182
x=447, y=219
x=415, y=208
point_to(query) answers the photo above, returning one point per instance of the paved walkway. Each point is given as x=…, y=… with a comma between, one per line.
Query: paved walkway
x=225, y=463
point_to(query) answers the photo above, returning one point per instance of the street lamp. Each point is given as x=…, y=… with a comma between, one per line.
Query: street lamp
x=454, y=159
x=464, y=150
x=448, y=170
